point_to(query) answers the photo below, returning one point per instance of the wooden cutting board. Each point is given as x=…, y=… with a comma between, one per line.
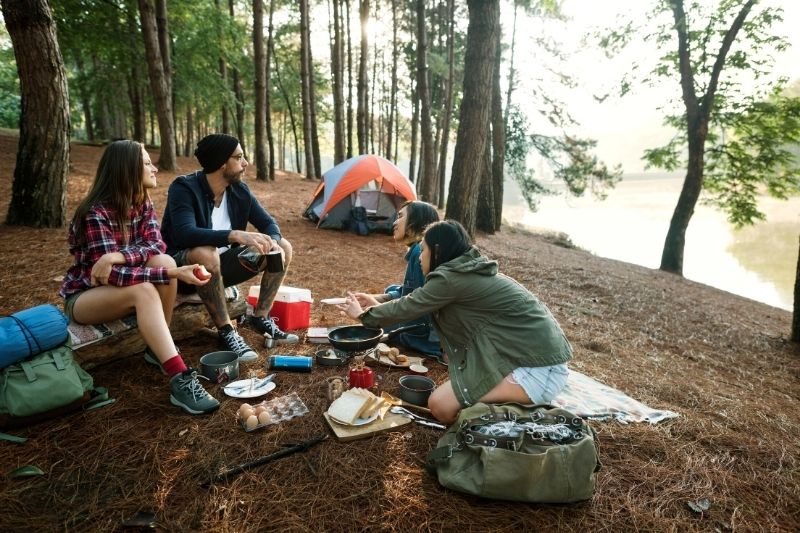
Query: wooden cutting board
x=390, y=422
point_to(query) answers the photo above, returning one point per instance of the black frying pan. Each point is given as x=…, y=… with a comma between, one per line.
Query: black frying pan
x=360, y=338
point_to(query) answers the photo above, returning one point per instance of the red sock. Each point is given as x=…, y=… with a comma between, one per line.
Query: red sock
x=174, y=365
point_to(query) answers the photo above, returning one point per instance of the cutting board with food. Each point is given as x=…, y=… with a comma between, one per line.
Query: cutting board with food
x=358, y=413
x=385, y=355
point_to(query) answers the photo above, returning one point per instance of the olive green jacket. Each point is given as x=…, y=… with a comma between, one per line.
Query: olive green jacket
x=488, y=323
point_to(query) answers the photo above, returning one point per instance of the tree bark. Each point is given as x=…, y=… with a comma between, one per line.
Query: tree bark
x=412, y=157
x=305, y=83
x=796, y=316
x=289, y=108
x=698, y=111
x=393, y=89
x=448, y=103
x=484, y=216
x=38, y=196
x=338, y=90
x=223, y=74
x=361, y=110
x=349, y=82
x=426, y=184
x=468, y=159
x=312, y=102
x=159, y=85
x=268, y=101
x=261, y=89
x=239, y=94
x=498, y=135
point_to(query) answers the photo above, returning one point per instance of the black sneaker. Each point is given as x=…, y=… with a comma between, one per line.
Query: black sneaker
x=235, y=343
x=187, y=393
x=267, y=326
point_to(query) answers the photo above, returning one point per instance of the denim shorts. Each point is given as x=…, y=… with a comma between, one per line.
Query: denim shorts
x=541, y=384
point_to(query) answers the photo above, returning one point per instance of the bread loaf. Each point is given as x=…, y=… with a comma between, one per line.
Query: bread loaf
x=347, y=407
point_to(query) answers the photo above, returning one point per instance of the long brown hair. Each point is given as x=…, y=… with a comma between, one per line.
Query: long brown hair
x=117, y=185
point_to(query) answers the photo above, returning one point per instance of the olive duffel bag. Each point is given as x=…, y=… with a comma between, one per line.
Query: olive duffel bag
x=515, y=452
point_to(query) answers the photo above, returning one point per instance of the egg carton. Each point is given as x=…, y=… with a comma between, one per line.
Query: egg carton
x=278, y=410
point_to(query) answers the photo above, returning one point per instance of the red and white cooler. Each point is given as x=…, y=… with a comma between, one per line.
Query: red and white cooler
x=291, y=308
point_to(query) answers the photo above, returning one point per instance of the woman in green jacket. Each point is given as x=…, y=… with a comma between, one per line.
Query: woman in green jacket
x=502, y=343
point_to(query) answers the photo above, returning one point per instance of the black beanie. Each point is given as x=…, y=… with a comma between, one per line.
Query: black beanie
x=213, y=150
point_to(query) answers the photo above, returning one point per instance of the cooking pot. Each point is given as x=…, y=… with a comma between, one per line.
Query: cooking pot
x=360, y=338
x=416, y=389
x=220, y=367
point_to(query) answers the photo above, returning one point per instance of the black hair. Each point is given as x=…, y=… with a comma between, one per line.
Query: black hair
x=446, y=240
x=418, y=216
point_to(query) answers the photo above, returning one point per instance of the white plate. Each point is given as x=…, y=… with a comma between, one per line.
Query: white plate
x=358, y=421
x=247, y=393
x=333, y=301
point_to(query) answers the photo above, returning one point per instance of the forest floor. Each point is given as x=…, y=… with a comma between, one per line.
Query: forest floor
x=721, y=361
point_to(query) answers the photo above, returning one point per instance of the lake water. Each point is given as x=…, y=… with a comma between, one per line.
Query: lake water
x=758, y=262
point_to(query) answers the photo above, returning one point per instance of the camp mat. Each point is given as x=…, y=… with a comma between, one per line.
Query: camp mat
x=588, y=398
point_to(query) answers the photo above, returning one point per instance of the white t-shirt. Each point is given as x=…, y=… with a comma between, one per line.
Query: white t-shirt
x=220, y=219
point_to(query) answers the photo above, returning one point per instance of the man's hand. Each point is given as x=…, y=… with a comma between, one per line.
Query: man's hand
x=259, y=241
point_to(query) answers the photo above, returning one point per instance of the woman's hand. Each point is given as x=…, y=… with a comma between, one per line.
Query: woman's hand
x=366, y=300
x=102, y=268
x=190, y=274
x=351, y=307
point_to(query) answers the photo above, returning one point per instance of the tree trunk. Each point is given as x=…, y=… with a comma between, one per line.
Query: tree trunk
x=312, y=102
x=338, y=90
x=305, y=83
x=361, y=112
x=159, y=85
x=86, y=100
x=468, y=159
x=371, y=112
x=261, y=89
x=484, y=216
x=268, y=101
x=349, y=82
x=289, y=108
x=165, y=46
x=426, y=185
x=223, y=74
x=38, y=196
x=412, y=158
x=698, y=111
x=796, y=316
x=498, y=160
x=239, y=95
x=448, y=102
x=189, y=141
x=393, y=90
x=511, y=72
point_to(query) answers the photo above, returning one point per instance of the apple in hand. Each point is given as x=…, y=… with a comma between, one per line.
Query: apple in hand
x=201, y=273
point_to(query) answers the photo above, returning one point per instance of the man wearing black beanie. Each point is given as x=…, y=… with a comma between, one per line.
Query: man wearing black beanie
x=205, y=222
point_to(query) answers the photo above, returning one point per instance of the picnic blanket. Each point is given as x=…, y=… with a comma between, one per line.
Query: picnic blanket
x=82, y=335
x=588, y=398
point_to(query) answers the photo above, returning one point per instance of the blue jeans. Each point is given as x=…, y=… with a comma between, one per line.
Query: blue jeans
x=424, y=340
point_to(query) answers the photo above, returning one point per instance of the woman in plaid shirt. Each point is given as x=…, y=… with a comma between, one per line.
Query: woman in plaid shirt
x=120, y=266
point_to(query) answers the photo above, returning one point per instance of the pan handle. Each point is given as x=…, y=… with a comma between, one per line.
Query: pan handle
x=403, y=329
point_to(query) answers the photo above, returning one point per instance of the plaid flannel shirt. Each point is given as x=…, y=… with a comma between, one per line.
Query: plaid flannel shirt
x=104, y=236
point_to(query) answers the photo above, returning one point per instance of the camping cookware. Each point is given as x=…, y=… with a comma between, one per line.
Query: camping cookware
x=416, y=389
x=360, y=338
x=220, y=367
x=421, y=420
x=361, y=376
x=331, y=357
x=394, y=400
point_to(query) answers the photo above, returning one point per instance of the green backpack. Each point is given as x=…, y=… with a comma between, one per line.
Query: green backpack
x=514, y=452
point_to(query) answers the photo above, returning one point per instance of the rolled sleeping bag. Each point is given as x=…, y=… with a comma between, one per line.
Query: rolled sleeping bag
x=30, y=332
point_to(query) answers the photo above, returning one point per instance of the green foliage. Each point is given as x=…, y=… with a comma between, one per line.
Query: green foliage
x=753, y=127
x=9, y=83
x=570, y=159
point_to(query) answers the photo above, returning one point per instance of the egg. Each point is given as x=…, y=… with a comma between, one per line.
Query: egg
x=264, y=418
x=246, y=412
x=251, y=422
x=260, y=409
x=245, y=406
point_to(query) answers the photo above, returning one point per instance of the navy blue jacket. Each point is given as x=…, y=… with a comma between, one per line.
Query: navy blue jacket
x=187, y=217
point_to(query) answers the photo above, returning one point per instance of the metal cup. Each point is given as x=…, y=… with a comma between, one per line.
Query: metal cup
x=252, y=260
x=269, y=342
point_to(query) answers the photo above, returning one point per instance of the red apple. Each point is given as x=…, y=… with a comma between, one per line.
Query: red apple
x=201, y=273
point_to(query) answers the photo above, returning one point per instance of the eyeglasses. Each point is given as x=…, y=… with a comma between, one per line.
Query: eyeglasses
x=238, y=157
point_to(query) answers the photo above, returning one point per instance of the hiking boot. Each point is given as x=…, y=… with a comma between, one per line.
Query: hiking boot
x=235, y=343
x=267, y=326
x=151, y=359
x=187, y=393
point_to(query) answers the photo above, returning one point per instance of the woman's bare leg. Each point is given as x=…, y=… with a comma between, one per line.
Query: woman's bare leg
x=106, y=303
x=445, y=406
x=167, y=293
